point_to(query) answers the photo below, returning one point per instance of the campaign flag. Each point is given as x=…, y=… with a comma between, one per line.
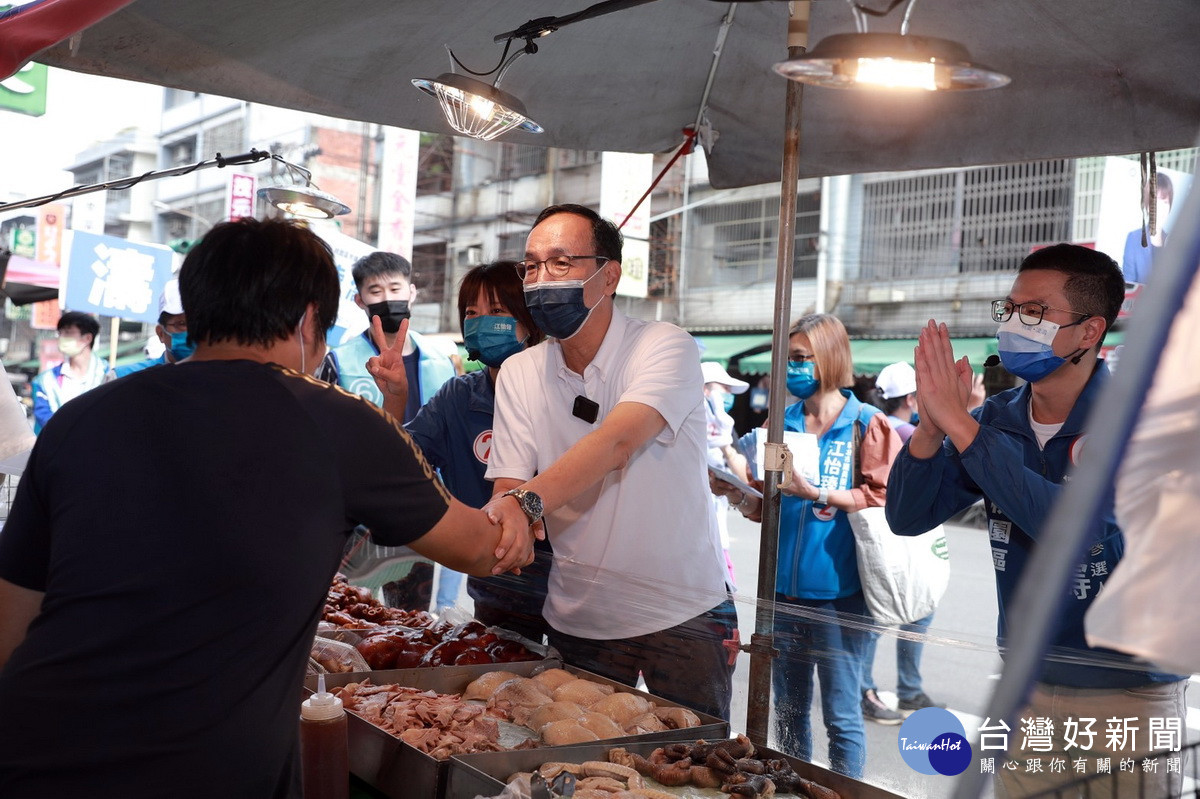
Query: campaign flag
x=110, y=276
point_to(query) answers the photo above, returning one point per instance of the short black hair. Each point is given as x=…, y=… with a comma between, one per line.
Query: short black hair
x=84, y=321
x=251, y=281
x=502, y=283
x=380, y=263
x=1094, y=284
x=606, y=236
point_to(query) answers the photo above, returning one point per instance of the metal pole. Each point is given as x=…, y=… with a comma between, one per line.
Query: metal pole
x=762, y=649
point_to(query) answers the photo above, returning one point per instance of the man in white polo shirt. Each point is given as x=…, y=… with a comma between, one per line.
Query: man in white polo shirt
x=601, y=428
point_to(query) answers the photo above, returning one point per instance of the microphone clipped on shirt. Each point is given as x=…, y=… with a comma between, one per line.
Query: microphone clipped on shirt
x=585, y=409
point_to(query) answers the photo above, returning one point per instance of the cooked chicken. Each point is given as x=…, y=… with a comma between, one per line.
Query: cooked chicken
x=584, y=693
x=484, y=686
x=601, y=725
x=621, y=707
x=553, y=711
x=518, y=698
x=567, y=731
x=552, y=678
x=677, y=718
x=647, y=722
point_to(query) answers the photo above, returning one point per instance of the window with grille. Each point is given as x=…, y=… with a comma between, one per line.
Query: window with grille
x=573, y=158
x=429, y=271
x=984, y=219
x=518, y=160
x=181, y=152
x=227, y=138
x=736, y=243
x=435, y=164
x=512, y=245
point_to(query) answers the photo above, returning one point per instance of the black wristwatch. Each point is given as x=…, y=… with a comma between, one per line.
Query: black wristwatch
x=530, y=503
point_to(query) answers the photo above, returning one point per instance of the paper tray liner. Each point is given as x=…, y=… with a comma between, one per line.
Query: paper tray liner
x=486, y=773
x=402, y=771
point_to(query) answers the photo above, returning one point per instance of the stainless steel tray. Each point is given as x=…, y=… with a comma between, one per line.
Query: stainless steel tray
x=404, y=772
x=486, y=773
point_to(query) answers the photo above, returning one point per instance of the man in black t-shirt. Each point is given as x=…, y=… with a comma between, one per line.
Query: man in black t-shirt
x=156, y=613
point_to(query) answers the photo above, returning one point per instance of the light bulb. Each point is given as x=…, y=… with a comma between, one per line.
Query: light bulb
x=896, y=74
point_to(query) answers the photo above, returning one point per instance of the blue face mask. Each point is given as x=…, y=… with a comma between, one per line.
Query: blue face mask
x=180, y=348
x=1028, y=350
x=557, y=306
x=802, y=382
x=491, y=339
x=727, y=402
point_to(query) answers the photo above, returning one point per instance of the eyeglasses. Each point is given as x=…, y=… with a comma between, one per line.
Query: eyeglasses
x=556, y=267
x=797, y=358
x=1030, y=313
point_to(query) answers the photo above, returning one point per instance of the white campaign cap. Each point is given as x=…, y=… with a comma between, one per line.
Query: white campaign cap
x=170, y=301
x=715, y=373
x=896, y=380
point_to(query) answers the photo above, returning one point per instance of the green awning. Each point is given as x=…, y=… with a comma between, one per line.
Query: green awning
x=871, y=355
x=722, y=348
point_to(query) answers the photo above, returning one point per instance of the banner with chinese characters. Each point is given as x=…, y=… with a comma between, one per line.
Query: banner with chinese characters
x=110, y=276
x=624, y=178
x=239, y=196
x=397, y=196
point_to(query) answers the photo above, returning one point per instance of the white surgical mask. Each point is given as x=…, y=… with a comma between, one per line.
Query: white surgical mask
x=70, y=347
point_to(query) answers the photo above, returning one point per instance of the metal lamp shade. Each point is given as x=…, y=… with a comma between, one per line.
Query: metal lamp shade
x=890, y=61
x=477, y=109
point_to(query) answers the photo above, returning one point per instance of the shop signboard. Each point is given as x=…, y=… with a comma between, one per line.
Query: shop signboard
x=239, y=196
x=23, y=241
x=25, y=92
x=398, y=192
x=111, y=276
x=44, y=315
x=624, y=178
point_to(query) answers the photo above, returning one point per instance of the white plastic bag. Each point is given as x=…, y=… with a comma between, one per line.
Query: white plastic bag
x=903, y=577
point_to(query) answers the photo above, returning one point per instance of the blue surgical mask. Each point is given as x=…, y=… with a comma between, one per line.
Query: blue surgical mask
x=491, y=339
x=1028, y=350
x=180, y=347
x=802, y=380
x=557, y=306
x=727, y=401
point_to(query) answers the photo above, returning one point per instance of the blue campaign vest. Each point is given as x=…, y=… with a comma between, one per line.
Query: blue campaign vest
x=434, y=369
x=816, y=545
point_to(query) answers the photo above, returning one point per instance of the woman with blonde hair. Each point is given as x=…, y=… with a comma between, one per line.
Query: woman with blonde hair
x=817, y=585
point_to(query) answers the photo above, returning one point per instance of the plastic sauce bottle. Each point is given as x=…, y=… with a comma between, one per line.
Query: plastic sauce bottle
x=324, y=750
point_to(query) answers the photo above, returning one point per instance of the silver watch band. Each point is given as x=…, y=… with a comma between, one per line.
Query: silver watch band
x=822, y=496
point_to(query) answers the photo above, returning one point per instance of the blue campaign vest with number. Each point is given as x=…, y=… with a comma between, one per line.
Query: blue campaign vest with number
x=816, y=545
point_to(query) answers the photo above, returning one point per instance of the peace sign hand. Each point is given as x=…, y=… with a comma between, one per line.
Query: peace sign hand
x=387, y=368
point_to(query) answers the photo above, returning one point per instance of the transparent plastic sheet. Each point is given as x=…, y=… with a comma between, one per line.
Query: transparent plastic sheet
x=959, y=663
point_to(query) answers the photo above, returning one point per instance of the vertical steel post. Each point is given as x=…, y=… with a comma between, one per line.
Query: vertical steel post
x=762, y=643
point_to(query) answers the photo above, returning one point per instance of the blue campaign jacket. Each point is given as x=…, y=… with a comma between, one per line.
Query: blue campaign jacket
x=349, y=368
x=454, y=431
x=133, y=368
x=816, y=545
x=1019, y=483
